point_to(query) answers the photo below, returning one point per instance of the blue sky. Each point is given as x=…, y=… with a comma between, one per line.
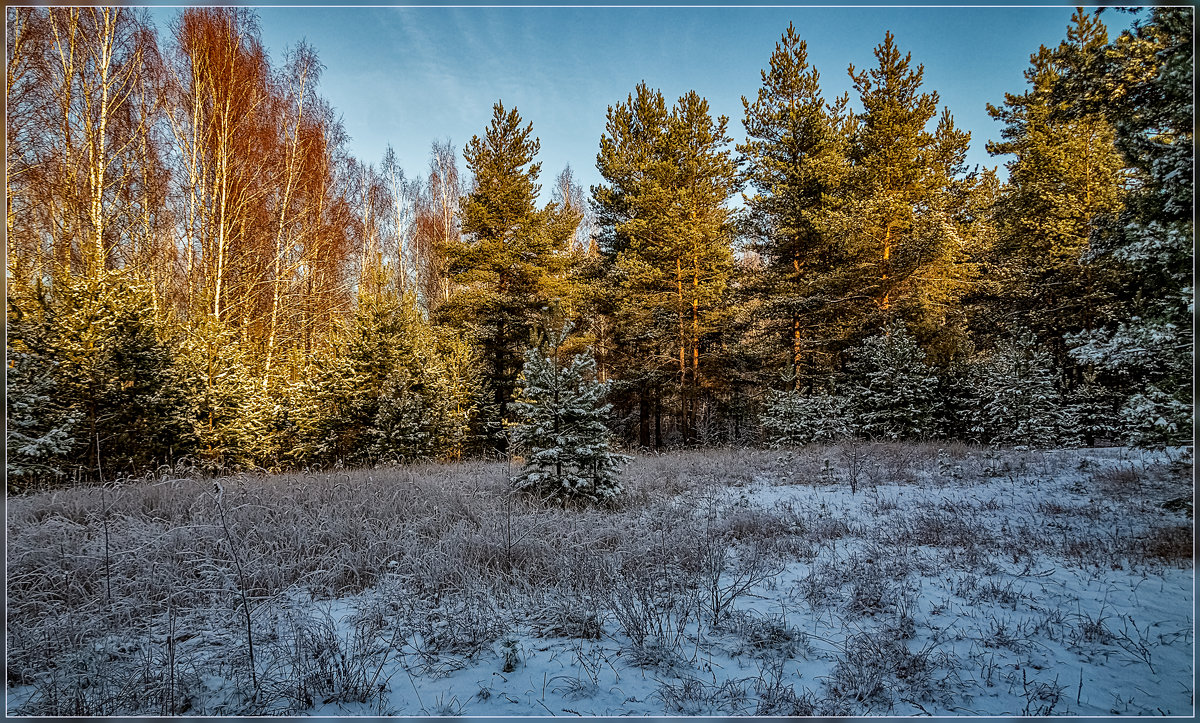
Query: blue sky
x=406, y=76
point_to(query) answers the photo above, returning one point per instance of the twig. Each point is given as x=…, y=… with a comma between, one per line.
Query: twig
x=237, y=561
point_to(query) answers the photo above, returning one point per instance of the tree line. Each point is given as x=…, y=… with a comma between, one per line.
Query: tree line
x=199, y=273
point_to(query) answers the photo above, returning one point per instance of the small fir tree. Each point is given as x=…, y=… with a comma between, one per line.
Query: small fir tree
x=398, y=390
x=794, y=419
x=94, y=385
x=40, y=433
x=957, y=399
x=561, y=431
x=1155, y=419
x=893, y=392
x=224, y=415
x=1095, y=408
x=1020, y=403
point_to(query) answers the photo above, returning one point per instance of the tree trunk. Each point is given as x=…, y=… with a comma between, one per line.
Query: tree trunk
x=683, y=390
x=658, y=438
x=885, y=302
x=644, y=417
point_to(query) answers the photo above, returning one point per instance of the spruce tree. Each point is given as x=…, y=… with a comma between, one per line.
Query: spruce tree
x=1145, y=342
x=507, y=267
x=561, y=430
x=40, y=429
x=221, y=389
x=397, y=390
x=93, y=351
x=795, y=155
x=1095, y=409
x=794, y=419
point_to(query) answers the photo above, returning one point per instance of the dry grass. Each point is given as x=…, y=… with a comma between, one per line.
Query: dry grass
x=111, y=590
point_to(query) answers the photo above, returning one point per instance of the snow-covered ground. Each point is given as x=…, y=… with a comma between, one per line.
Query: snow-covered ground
x=955, y=583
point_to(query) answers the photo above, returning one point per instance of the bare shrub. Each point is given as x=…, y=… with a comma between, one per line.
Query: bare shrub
x=463, y=625
x=876, y=667
x=1172, y=543
x=776, y=698
x=314, y=662
x=692, y=696
x=764, y=636
x=1040, y=696
x=567, y=614
x=731, y=571
x=855, y=460
x=1116, y=478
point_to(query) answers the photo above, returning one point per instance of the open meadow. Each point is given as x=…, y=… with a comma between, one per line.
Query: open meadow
x=829, y=580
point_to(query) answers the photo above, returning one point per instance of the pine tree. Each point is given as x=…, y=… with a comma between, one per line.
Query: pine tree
x=795, y=154
x=906, y=219
x=892, y=391
x=561, y=430
x=666, y=230
x=507, y=268
x=1063, y=188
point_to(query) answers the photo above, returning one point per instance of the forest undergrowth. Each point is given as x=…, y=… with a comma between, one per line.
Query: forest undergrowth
x=830, y=580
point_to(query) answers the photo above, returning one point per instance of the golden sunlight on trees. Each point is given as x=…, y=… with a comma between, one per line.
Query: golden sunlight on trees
x=201, y=273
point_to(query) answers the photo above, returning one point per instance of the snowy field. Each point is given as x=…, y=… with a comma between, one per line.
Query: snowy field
x=842, y=580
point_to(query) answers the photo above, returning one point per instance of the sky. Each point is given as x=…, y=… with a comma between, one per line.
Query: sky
x=407, y=76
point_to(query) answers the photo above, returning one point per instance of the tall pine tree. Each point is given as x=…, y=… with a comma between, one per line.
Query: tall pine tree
x=1063, y=188
x=909, y=218
x=667, y=232
x=795, y=156
x=506, y=269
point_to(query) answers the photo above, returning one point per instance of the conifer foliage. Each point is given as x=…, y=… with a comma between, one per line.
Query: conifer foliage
x=1148, y=91
x=792, y=419
x=399, y=390
x=907, y=221
x=561, y=430
x=892, y=390
x=1064, y=183
x=200, y=275
x=40, y=429
x=1019, y=401
x=667, y=235
x=95, y=391
x=795, y=155
x=508, y=263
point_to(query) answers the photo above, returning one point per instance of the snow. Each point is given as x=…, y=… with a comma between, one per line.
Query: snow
x=889, y=604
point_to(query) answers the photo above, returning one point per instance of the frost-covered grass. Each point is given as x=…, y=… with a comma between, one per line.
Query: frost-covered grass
x=856, y=579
